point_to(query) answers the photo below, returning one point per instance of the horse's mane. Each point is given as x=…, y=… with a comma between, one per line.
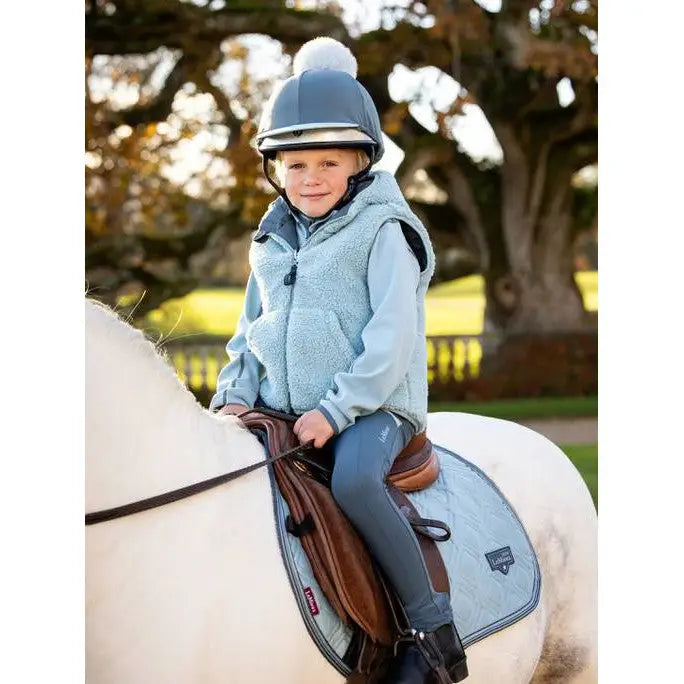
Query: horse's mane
x=125, y=335
x=135, y=399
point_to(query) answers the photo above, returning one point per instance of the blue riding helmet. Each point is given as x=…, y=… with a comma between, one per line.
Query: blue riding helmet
x=320, y=108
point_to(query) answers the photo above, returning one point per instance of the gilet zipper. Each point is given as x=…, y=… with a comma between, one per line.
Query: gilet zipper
x=289, y=280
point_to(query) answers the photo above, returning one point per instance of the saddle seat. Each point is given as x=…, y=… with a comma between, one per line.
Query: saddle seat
x=354, y=586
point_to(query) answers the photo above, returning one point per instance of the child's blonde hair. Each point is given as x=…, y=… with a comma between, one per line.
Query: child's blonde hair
x=362, y=161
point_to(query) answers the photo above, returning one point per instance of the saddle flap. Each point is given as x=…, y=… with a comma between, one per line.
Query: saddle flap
x=288, y=488
x=337, y=554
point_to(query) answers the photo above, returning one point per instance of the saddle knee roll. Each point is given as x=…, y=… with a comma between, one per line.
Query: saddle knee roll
x=416, y=467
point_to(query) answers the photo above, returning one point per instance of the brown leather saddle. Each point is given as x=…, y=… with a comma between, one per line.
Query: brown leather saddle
x=341, y=563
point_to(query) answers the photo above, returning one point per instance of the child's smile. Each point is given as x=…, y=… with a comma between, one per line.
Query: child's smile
x=316, y=179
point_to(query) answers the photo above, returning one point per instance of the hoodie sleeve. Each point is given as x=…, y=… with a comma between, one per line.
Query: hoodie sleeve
x=238, y=381
x=389, y=336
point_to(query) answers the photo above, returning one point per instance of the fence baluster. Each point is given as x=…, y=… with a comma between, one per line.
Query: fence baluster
x=450, y=367
x=467, y=369
x=204, y=355
x=187, y=368
x=431, y=353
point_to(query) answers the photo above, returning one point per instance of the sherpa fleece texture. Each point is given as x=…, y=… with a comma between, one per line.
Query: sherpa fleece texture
x=311, y=330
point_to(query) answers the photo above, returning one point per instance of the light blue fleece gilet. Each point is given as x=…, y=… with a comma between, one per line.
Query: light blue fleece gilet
x=311, y=329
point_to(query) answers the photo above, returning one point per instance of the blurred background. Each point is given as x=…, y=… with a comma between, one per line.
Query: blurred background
x=489, y=109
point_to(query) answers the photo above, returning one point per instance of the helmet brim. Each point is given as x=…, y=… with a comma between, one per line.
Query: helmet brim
x=301, y=138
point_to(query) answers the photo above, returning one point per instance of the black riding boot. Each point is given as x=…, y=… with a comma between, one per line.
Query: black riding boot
x=429, y=658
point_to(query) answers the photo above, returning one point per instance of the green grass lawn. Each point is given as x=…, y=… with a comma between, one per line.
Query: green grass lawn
x=523, y=409
x=453, y=308
x=585, y=459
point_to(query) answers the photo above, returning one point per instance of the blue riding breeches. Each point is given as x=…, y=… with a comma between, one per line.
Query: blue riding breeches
x=364, y=454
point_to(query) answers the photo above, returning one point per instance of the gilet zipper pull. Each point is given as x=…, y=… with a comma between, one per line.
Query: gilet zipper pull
x=291, y=276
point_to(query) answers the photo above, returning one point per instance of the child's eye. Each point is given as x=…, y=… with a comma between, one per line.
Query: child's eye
x=296, y=165
x=329, y=163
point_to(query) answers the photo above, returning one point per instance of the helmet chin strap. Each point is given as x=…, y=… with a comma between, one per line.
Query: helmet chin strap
x=278, y=189
x=352, y=187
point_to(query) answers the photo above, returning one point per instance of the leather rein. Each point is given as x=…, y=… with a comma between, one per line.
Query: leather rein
x=197, y=487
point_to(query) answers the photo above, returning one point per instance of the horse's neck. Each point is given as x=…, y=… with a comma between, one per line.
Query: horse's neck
x=145, y=433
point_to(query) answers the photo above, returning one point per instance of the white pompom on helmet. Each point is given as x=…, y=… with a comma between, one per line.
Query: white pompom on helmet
x=321, y=105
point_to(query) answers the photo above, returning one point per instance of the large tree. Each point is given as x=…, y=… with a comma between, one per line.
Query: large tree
x=518, y=218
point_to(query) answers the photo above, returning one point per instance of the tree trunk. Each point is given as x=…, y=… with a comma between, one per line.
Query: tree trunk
x=533, y=289
x=533, y=302
x=530, y=285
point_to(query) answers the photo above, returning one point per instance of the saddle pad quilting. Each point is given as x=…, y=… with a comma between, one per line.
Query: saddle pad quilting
x=493, y=570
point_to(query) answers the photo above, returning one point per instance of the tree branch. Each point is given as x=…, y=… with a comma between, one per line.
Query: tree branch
x=516, y=8
x=159, y=108
x=184, y=26
x=457, y=175
x=443, y=221
x=223, y=105
x=461, y=196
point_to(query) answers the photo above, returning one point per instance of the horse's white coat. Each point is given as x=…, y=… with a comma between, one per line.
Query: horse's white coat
x=196, y=591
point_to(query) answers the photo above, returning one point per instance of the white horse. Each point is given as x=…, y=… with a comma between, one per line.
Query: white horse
x=195, y=591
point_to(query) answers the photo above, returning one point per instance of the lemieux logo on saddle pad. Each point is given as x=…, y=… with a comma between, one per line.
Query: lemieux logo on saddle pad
x=501, y=559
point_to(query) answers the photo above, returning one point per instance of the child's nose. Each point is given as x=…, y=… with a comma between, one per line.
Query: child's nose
x=312, y=176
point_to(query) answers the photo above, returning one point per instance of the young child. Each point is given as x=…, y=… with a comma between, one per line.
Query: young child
x=333, y=324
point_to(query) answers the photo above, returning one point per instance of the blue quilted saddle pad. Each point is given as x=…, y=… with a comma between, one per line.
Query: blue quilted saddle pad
x=493, y=570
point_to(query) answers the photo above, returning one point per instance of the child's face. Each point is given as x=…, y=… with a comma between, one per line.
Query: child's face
x=316, y=179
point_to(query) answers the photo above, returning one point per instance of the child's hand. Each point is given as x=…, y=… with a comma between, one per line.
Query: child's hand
x=313, y=425
x=233, y=409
